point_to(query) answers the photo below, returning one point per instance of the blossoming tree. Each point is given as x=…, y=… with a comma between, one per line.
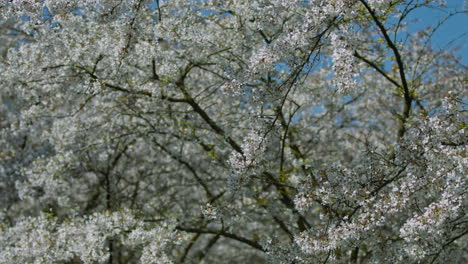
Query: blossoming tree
x=265, y=131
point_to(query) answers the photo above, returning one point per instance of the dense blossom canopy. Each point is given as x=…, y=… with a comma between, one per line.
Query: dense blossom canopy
x=263, y=131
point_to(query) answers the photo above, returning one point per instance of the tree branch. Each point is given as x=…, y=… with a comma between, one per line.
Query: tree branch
x=377, y=68
x=406, y=91
x=196, y=107
x=224, y=234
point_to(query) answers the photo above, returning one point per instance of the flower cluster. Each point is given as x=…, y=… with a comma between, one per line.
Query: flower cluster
x=44, y=239
x=252, y=148
x=344, y=63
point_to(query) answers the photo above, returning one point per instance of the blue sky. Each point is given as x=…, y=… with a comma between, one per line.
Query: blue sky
x=453, y=33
